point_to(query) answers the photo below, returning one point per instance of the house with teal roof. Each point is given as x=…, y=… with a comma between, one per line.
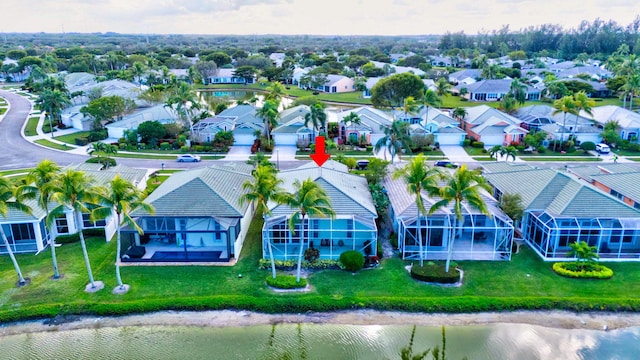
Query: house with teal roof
x=561, y=209
x=198, y=218
x=352, y=228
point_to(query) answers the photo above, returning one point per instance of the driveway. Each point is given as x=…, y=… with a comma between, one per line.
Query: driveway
x=238, y=153
x=284, y=153
x=456, y=153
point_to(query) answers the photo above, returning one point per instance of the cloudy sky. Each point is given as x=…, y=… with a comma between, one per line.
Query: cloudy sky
x=326, y=17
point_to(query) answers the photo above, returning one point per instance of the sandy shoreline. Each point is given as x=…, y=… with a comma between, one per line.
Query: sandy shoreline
x=222, y=318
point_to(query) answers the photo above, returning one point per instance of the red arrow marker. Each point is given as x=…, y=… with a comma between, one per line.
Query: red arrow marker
x=320, y=156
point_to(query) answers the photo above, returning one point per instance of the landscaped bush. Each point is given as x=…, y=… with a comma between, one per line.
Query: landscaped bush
x=97, y=135
x=432, y=272
x=393, y=239
x=466, y=142
x=286, y=282
x=311, y=254
x=289, y=265
x=81, y=141
x=477, y=144
x=352, y=260
x=74, y=238
x=573, y=270
x=165, y=146
x=108, y=162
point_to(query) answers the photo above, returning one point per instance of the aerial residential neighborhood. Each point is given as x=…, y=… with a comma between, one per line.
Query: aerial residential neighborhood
x=257, y=173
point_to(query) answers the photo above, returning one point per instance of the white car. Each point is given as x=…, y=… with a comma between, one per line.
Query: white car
x=188, y=158
x=603, y=148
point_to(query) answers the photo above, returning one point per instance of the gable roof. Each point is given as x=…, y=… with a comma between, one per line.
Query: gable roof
x=623, y=183
x=206, y=192
x=627, y=119
x=349, y=194
x=369, y=116
x=480, y=114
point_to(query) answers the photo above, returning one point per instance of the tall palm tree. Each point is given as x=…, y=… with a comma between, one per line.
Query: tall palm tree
x=632, y=87
x=564, y=105
x=137, y=70
x=10, y=198
x=75, y=190
x=53, y=102
x=460, y=113
x=519, y=91
x=317, y=117
x=43, y=178
x=430, y=98
x=122, y=197
x=264, y=188
x=508, y=104
x=582, y=103
x=269, y=115
x=418, y=177
x=463, y=185
x=275, y=91
x=396, y=137
x=185, y=102
x=409, y=106
x=309, y=199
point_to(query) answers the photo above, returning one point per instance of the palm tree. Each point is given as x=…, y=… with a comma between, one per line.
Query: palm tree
x=352, y=119
x=508, y=104
x=419, y=177
x=184, y=101
x=442, y=87
x=138, y=70
x=275, y=91
x=508, y=151
x=310, y=199
x=53, y=102
x=564, y=105
x=495, y=151
x=582, y=103
x=460, y=113
x=632, y=87
x=429, y=98
x=409, y=106
x=43, y=177
x=396, y=137
x=10, y=199
x=122, y=197
x=74, y=190
x=264, y=188
x=463, y=185
x=317, y=117
x=519, y=91
x=269, y=115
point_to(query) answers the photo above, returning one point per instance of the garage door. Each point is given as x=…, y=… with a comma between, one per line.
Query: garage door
x=285, y=139
x=243, y=139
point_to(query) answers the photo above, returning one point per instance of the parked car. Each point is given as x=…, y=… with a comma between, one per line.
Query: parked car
x=188, y=158
x=446, y=163
x=603, y=148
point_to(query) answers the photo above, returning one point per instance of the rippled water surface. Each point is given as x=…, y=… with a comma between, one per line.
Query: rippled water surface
x=311, y=341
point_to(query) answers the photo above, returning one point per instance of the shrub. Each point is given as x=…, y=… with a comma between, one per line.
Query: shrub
x=81, y=141
x=571, y=270
x=432, y=272
x=184, y=148
x=164, y=146
x=587, y=146
x=74, y=238
x=541, y=149
x=311, y=254
x=352, y=260
x=289, y=265
x=466, y=142
x=97, y=135
x=108, y=162
x=286, y=282
x=393, y=239
x=478, y=144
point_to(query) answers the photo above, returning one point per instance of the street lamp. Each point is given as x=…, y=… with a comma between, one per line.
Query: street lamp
x=278, y=159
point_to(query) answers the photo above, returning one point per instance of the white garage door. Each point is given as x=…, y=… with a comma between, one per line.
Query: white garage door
x=286, y=139
x=243, y=139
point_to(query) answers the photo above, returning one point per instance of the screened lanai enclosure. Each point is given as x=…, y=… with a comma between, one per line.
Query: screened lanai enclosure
x=614, y=238
x=180, y=239
x=331, y=237
x=477, y=236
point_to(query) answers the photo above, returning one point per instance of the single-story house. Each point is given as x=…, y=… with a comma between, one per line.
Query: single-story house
x=131, y=121
x=465, y=77
x=198, y=218
x=431, y=120
x=478, y=236
x=493, y=127
x=629, y=121
x=293, y=130
x=337, y=84
x=27, y=233
x=352, y=228
x=372, y=121
x=619, y=180
x=241, y=120
x=561, y=209
x=227, y=76
x=494, y=90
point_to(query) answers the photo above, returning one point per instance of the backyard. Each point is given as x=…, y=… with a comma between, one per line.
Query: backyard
x=523, y=283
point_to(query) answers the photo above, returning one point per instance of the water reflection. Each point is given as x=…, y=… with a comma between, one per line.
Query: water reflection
x=313, y=341
x=232, y=98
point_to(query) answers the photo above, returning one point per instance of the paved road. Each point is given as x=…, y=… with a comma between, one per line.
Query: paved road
x=17, y=153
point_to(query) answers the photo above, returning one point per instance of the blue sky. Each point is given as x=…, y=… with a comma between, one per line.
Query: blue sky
x=326, y=17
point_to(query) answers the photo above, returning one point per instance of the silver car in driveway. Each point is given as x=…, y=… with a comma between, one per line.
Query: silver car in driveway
x=188, y=158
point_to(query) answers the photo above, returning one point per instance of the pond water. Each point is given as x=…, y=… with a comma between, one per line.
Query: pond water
x=314, y=341
x=233, y=97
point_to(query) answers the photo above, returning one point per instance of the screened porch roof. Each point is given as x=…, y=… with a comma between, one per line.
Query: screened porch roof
x=571, y=223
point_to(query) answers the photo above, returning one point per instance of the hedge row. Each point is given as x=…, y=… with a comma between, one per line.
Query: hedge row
x=435, y=273
x=286, y=282
x=309, y=302
x=568, y=270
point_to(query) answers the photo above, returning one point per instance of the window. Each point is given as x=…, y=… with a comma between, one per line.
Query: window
x=22, y=232
x=62, y=226
x=616, y=194
x=87, y=223
x=349, y=229
x=279, y=233
x=217, y=228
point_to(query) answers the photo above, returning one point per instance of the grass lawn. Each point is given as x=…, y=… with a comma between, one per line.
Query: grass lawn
x=32, y=126
x=13, y=172
x=559, y=158
x=53, y=145
x=523, y=283
x=3, y=110
x=160, y=157
x=71, y=138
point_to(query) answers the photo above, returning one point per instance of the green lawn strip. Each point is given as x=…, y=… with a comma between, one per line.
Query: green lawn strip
x=14, y=172
x=622, y=152
x=71, y=138
x=53, y=145
x=526, y=282
x=483, y=158
x=567, y=159
x=3, y=110
x=32, y=126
